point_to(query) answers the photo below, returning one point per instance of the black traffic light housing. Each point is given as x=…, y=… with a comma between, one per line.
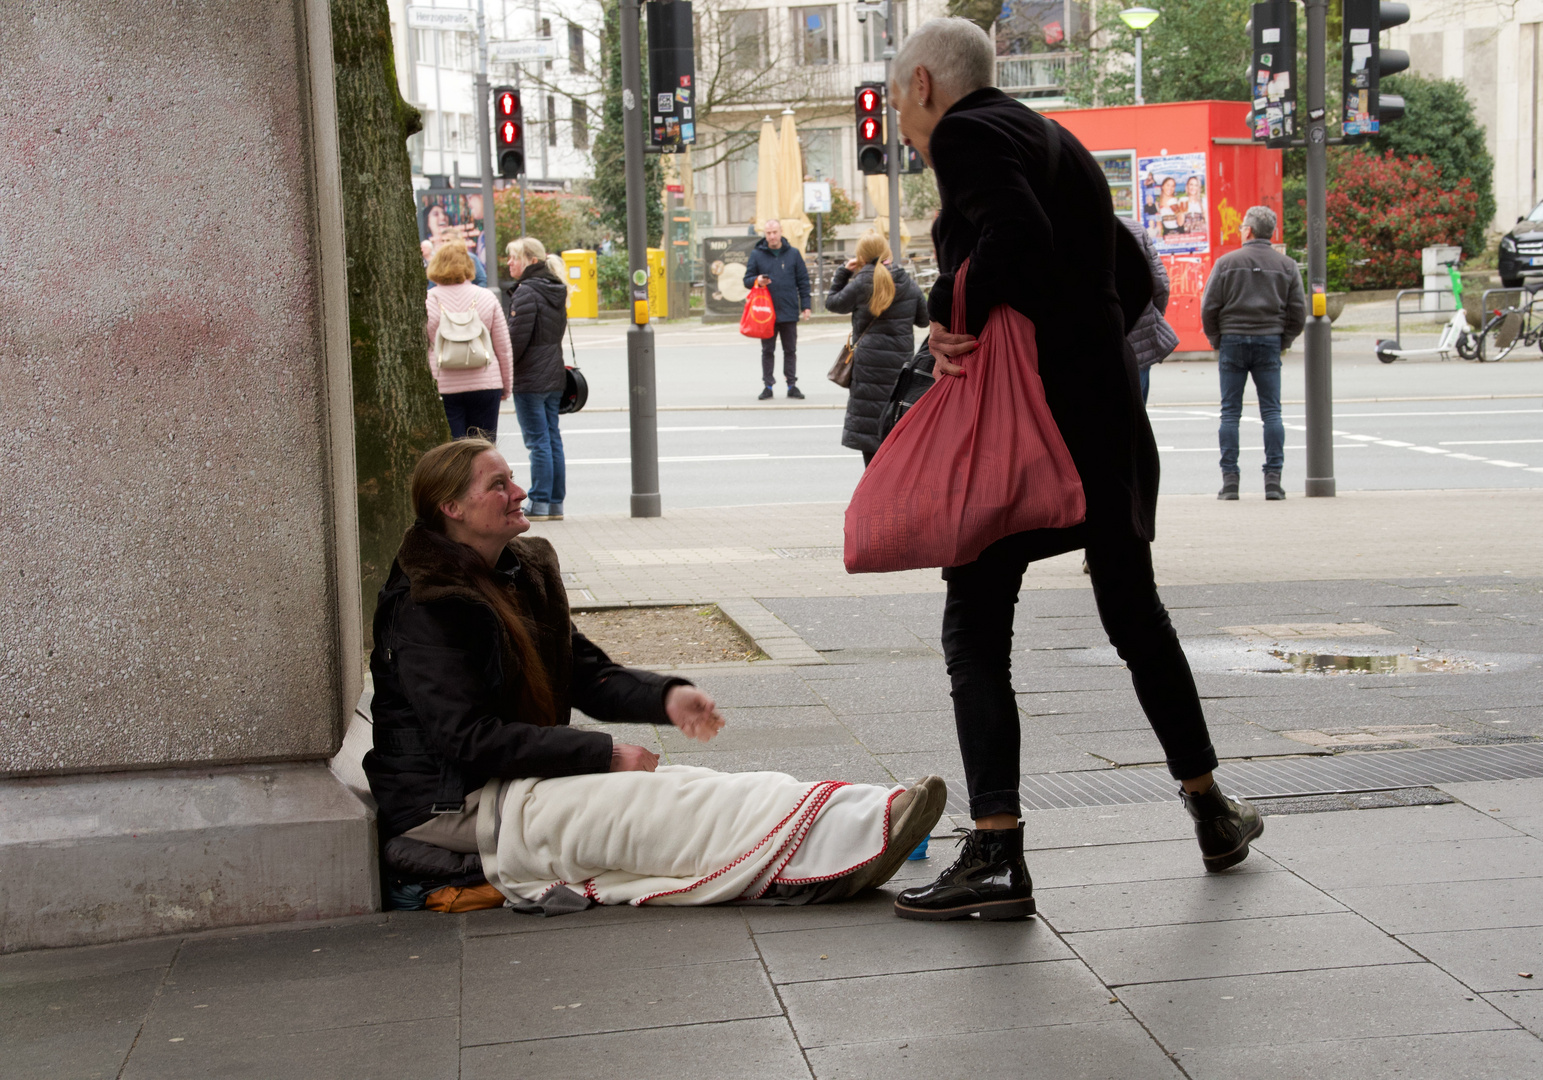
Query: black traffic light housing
x=1272, y=75
x=870, y=128
x=912, y=162
x=671, y=76
x=508, y=132
x=1366, y=62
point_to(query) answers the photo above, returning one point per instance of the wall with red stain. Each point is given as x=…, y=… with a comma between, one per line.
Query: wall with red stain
x=167, y=589
x=1237, y=177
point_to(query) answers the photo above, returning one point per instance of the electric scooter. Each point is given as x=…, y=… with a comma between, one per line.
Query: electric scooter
x=1457, y=336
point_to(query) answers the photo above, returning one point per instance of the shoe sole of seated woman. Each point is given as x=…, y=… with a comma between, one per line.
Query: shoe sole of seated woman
x=924, y=804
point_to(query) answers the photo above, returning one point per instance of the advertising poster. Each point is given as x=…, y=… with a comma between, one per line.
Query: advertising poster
x=451, y=212
x=1173, y=203
x=724, y=259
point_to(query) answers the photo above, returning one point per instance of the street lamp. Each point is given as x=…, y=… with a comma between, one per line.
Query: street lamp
x=1138, y=19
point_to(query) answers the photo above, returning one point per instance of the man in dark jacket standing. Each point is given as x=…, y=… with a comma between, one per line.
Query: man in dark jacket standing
x=1081, y=279
x=774, y=265
x=1253, y=310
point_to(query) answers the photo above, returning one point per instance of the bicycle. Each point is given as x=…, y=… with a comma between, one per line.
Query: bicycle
x=1457, y=336
x=1509, y=327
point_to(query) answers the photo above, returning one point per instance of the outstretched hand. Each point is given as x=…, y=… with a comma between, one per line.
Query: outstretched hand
x=945, y=346
x=628, y=758
x=695, y=713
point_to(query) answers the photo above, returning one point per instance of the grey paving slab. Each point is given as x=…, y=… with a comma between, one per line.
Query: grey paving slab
x=1300, y=834
x=902, y=733
x=1108, y=1050
x=831, y=762
x=1286, y=1008
x=1110, y=863
x=426, y=1049
x=1497, y=1055
x=738, y=737
x=1105, y=825
x=1517, y=803
x=647, y=735
x=499, y=1006
x=1389, y=862
x=498, y=921
x=1212, y=898
x=991, y=999
x=887, y=694
x=689, y=936
x=1486, y=960
x=73, y=1026
x=1453, y=905
x=745, y=1049
x=1229, y=741
x=1241, y=947
x=1069, y=723
x=945, y=763
x=901, y=946
x=1526, y=1008
x=90, y=961
x=756, y=690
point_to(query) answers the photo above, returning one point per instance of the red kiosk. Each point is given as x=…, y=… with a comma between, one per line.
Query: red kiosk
x=1187, y=171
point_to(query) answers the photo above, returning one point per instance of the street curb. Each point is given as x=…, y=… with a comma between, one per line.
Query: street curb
x=779, y=641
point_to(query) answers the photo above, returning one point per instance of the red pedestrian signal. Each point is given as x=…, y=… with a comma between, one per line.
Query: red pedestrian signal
x=870, y=129
x=508, y=132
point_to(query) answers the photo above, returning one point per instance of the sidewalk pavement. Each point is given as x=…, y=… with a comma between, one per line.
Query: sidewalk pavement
x=1404, y=941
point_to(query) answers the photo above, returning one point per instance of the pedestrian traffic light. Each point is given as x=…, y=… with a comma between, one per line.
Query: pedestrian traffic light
x=1272, y=75
x=1366, y=62
x=870, y=129
x=508, y=131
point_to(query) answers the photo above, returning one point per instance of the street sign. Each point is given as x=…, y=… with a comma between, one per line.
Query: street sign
x=424, y=18
x=519, y=52
x=816, y=197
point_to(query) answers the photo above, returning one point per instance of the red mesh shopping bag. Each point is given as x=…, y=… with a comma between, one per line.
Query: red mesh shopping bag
x=979, y=457
x=760, y=316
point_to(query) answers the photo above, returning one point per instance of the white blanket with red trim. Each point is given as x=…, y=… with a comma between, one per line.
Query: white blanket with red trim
x=680, y=835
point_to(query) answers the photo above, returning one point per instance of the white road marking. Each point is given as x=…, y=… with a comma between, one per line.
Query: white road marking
x=1490, y=442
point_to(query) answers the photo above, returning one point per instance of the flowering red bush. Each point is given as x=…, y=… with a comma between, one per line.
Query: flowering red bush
x=1383, y=210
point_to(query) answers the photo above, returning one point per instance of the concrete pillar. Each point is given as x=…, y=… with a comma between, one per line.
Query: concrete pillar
x=179, y=612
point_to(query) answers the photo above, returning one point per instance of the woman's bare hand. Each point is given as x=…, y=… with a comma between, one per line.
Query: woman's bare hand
x=695, y=713
x=628, y=758
x=945, y=346
x=853, y=265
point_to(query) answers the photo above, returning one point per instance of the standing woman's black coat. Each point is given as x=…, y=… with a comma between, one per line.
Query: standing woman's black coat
x=887, y=341
x=538, y=315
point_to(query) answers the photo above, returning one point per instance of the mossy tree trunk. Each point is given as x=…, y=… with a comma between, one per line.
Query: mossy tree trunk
x=397, y=411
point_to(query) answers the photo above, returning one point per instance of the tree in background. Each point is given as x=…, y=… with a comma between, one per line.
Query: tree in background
x=559, y=221
x=843, y=211
x=1382, y=209
x=1440, y=125
x=609, y=187
x=1197, y=50
x=983, y=13
x=397, y=411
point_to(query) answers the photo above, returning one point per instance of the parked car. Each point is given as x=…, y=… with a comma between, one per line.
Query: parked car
x=1521, y=249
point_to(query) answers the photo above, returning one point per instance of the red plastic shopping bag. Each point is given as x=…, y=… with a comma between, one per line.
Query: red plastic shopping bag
x=760, y=317
x=977, y=458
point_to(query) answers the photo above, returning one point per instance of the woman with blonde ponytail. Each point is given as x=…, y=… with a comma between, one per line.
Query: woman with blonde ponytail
x=885, y=305
x=538, y=317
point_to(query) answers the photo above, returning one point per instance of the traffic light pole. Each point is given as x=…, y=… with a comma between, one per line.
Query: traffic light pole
x=643, y=417
x=485, y=151
x=1316, y=340
x=892, y=141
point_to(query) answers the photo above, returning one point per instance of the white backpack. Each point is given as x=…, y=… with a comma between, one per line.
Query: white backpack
x=462, y=342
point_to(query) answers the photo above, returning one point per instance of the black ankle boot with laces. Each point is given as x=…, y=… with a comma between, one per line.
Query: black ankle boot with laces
x=988, y=879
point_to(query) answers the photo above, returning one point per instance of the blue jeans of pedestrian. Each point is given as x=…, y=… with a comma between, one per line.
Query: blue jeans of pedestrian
x=472, y=412
x=537, y=414
x=1243, y=355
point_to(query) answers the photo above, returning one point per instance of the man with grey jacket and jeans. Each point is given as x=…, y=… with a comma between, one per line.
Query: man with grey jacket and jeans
x=1253, y=310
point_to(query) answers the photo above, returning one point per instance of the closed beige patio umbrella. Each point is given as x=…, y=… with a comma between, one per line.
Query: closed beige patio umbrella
x=768, y=202
x=796, y=225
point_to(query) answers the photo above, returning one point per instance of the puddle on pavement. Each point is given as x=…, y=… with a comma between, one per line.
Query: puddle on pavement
x=1308, y=663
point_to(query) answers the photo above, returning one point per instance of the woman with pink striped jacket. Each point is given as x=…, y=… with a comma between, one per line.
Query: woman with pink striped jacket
x=471, y=393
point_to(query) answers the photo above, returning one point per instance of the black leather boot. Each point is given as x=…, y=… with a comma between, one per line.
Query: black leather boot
x=988, y=879
x=1223, y=826
x=1229, y=491
x=1273, y=491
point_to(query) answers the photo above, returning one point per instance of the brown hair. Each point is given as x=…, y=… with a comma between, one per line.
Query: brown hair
x=451, y=264
x=873, y=248
x=443, y=475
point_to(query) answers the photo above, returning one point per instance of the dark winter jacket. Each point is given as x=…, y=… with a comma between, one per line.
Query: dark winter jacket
x=538, y=315
x=1254, y=290
x=448, y=708
x=1152, y=338
x=789, y=278
x=884, y=343
x=1052, y=251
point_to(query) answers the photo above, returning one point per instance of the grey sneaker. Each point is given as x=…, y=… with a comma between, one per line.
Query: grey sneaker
x=912, y=815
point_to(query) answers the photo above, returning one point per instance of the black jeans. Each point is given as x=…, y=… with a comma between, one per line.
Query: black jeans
x=788, y=332
x=473, y=410
x=977, y=643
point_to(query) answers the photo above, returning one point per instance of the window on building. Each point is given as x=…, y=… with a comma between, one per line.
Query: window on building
x=546, y=32
x=431, y=129
x=814, y=35
x=820, y=147
x=551, y=120
x=744, y=42
x=872, y=31
x=580, y=126
x=741, y=169
x=575, y=49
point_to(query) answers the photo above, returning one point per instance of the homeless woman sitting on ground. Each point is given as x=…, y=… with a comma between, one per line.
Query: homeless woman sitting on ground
x=478, y=775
